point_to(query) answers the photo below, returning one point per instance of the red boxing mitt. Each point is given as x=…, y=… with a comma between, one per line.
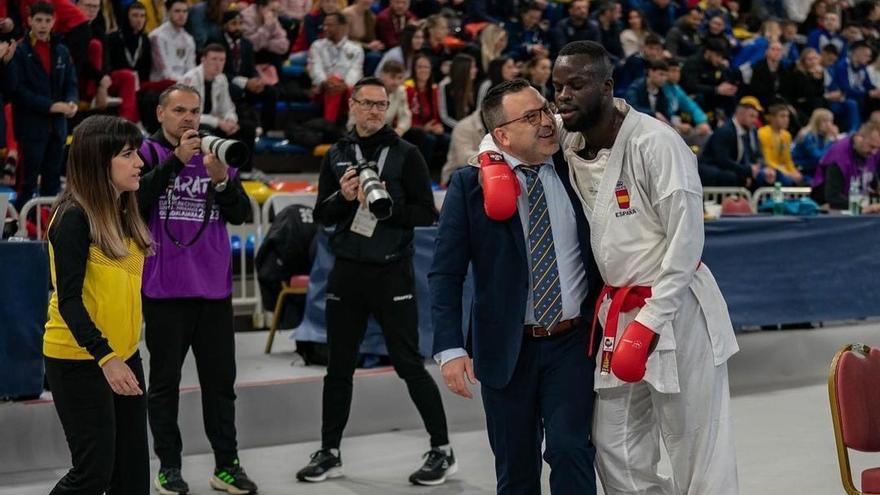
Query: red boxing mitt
x=631, y=356
x=500, y=186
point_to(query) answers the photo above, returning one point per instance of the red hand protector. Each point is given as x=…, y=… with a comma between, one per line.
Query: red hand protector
x=500, y=186
x=631, y=355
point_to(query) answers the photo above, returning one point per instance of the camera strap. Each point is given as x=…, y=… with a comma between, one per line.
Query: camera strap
x=380, y=164
x=209, y=206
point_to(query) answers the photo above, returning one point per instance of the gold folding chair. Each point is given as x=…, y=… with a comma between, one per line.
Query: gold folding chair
x=298, y=285
x=854, y=392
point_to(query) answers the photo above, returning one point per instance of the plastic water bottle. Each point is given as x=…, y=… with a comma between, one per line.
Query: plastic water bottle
x=778, y=199
x=855, y=197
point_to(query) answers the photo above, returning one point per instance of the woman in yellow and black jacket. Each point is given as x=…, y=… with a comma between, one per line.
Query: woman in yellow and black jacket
x=97, y=243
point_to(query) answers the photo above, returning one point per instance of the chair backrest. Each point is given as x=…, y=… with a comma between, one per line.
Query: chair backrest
x=853, y=384
x=279, y=201
x=858, y=398
x=736, y=206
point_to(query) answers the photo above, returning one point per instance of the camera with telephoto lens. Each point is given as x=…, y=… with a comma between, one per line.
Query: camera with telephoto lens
x=378, y=199
x=229, y=151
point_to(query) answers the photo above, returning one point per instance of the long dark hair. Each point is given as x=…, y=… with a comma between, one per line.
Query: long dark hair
x=429, y=85
x=415, y=61
x=113, y=217
x=406, y=48
x=461, y=85
x=643, y=22
x=496, y=70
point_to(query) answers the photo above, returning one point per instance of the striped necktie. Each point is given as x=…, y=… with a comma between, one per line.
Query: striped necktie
x=546, y=291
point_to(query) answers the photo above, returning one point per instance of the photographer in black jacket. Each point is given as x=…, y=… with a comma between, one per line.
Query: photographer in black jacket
x=373, y=274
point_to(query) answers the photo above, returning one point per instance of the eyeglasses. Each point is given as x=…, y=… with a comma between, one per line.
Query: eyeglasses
x=368, y=104
x=534, y=117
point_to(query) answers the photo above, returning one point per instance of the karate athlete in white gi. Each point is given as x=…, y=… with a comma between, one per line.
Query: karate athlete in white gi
x=662, y=313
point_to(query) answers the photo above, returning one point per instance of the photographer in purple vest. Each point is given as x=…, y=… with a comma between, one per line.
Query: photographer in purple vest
x=187, y=198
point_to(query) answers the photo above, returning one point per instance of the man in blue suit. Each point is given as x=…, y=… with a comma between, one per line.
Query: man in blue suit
x=732, y=156
x=648, y=94
x=535, y=284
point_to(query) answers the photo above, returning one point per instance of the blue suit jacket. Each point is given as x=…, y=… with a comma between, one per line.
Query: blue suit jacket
x=637, y=96
x=35, y=91
x=518, y=39
x=721, y=150
x=496, y=252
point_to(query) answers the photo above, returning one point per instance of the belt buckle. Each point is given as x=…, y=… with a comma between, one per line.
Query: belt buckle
x=537, y=331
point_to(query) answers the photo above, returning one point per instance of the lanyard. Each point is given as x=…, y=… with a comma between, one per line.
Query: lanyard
x=358, y=154
x=133, y=58
x=171, y=203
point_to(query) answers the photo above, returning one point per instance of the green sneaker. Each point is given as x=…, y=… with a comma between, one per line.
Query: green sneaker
x=233, y=479
x=170, y=482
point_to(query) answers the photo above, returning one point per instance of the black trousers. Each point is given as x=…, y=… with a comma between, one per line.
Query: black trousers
x=549, y=401
x=40, y=160
x=432, y=146
x=354, y=292
x=106, y=433
x=715, y=176
x=269, y=100
x=172, y=327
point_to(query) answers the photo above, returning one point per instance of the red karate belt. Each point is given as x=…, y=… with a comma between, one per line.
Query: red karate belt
x=623, y=300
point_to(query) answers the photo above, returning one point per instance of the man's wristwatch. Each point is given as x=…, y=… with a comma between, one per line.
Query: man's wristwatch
x=221, y=186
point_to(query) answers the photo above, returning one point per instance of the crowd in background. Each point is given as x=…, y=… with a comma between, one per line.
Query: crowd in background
x=761, y=89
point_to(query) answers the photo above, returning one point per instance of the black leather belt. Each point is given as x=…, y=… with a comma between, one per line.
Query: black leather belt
x=539, y=332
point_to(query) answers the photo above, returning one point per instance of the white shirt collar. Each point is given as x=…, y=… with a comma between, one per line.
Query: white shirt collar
x=514, y=162
x=740, y=130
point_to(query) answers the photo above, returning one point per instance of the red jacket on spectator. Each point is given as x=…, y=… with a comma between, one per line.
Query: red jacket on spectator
x=424, y=105
x=310, y=31
x=388, y=27
x=67, y=15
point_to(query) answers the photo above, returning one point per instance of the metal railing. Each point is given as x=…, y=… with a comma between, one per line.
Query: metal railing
x=22, y=232
x=245, y=294
x=717, y=194
x=763, y=193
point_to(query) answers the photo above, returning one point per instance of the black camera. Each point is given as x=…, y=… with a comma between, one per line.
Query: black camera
x=229, y=151
x=378, y=199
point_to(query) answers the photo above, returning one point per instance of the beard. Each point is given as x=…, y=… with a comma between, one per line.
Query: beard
x=585, y=120
x=372, y=126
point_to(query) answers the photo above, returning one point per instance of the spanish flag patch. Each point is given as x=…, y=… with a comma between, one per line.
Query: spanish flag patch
x=622, y=195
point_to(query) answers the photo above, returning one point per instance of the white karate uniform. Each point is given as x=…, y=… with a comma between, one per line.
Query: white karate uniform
x=646, y=229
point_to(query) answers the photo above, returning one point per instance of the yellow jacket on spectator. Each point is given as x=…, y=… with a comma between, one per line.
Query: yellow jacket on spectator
x=776, y=147
x=155, y=14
